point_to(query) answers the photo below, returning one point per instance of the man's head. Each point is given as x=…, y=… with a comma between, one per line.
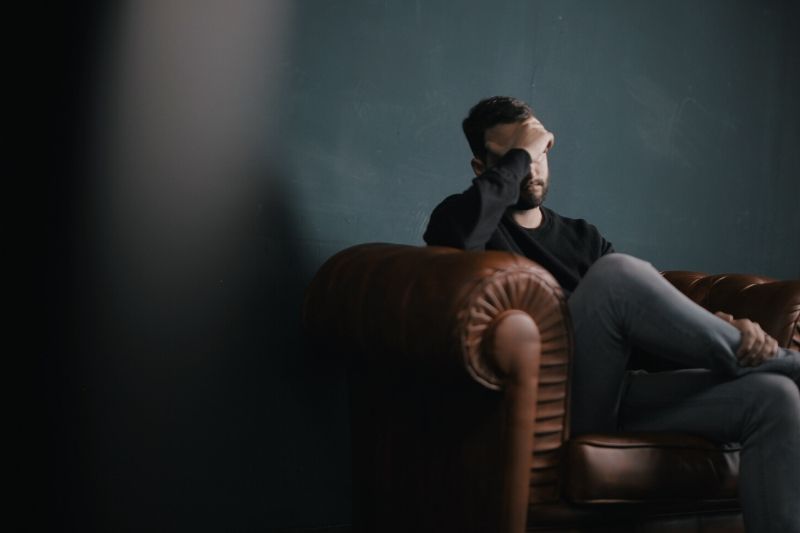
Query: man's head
x=495, y=121
x=490, y=112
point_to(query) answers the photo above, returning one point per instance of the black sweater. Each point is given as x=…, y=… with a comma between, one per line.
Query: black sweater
x=478, y=219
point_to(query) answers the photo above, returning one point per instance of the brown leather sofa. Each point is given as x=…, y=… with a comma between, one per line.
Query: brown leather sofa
x=458, y=369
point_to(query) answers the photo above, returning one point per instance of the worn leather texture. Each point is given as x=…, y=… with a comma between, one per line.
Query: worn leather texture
x=660, y=468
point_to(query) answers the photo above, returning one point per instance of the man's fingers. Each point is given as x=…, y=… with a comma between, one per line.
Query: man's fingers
x=748, y=339
x=551, y=141
x=531, y=122
x=768, y=348
x=724, y=316
x=495, y=149
x=749, y=351
x=757, y=352
x=756, y=345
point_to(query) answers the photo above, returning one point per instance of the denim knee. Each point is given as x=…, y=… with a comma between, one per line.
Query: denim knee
x=617, y=265
x=774, y=397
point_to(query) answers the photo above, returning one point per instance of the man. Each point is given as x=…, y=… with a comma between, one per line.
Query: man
x=738, y=385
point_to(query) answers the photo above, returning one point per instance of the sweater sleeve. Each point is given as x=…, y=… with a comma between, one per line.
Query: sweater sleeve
x=469, y=219
x=601, y=246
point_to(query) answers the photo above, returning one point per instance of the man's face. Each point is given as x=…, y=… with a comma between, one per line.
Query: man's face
x=533, y=188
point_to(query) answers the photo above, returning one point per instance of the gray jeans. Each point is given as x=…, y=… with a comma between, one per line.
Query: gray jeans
x=622, y=303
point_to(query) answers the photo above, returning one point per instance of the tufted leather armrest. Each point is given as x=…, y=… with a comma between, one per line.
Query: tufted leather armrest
x=458, y=368
x=431, y=307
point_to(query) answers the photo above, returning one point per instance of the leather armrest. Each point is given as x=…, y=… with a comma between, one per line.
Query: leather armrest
x=419, y=327
x=773, y=304
x=430, y=307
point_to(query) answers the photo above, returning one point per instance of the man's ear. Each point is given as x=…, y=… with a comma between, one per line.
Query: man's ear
x=478, y=166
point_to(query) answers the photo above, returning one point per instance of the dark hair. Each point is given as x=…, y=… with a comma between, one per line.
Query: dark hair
x=491, y=112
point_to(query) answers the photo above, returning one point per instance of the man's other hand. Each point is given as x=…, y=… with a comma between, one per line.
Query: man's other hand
x=756, y=345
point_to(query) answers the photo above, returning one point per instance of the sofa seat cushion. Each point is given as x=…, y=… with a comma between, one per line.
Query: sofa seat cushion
x=653, y=468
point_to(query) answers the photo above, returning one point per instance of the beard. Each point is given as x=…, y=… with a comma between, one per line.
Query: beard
x=529, y=198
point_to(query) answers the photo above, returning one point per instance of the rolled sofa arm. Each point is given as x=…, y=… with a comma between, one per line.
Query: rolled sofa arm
x=431, y=306
x=458, y=377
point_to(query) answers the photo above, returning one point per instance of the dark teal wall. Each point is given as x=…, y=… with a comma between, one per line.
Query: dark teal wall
x=206, y=159
x=675, y=121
